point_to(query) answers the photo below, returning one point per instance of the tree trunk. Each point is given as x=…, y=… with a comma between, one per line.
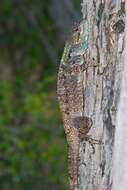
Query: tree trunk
x=120, y=149
x=89, y=87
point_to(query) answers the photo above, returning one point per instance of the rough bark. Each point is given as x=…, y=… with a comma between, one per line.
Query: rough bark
x=102, y=42
x=120, y=149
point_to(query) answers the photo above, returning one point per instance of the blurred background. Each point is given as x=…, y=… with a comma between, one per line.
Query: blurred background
x=32, y=140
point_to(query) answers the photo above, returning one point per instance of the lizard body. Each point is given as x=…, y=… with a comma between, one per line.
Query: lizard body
x=70, y=94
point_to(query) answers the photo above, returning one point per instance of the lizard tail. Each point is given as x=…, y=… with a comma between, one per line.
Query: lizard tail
x=73, y=154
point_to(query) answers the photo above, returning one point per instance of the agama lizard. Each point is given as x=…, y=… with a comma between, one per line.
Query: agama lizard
x=70, y=91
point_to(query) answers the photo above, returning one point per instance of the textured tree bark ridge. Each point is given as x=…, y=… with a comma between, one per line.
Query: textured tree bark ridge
x=88, y=90
x=120, y=150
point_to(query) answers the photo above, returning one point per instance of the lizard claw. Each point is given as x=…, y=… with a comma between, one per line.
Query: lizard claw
x=91, y=140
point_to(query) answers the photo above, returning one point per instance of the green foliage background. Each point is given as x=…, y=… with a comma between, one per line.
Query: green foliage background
x=32, y=140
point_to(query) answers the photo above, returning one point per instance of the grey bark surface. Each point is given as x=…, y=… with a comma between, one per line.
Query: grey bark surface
x=101, y=45
x=102, y=91
x=120, y=149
